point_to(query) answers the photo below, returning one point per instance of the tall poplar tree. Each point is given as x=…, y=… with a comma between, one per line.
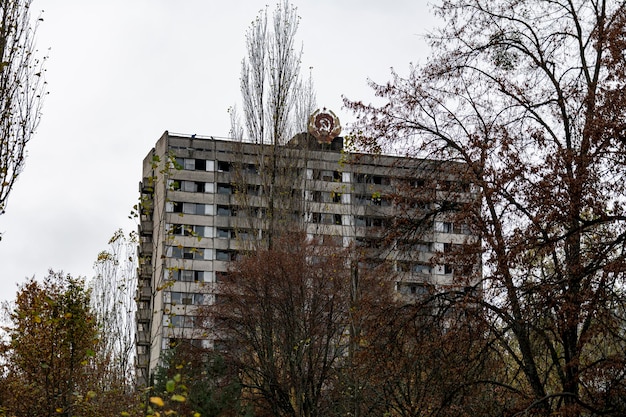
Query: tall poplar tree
x=22, y=88
x=277, y=103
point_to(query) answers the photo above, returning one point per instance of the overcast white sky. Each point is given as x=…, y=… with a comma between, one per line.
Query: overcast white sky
x=121, y=72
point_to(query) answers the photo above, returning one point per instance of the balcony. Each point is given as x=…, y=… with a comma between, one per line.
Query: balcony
x=142, y=360
x=145, y=272
x=144, y=293
x=145, y=228
x=143, y=338
x=146, y=248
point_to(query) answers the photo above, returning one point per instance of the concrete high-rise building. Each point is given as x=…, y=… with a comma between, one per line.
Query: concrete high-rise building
x=203, y=200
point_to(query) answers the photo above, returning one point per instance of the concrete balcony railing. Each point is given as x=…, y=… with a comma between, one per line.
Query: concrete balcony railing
x=143, y=315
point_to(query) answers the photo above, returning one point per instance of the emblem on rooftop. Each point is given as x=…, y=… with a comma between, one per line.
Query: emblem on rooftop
x=324, y=125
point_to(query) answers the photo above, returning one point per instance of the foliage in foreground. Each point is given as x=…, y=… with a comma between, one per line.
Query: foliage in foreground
x=529, y=96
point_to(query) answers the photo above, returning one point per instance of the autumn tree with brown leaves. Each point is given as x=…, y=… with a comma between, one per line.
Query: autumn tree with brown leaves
x=281, y=317
x=528, y=95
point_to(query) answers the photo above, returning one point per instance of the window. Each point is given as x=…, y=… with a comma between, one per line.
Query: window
x=250, y=169
x=456, y=186
x=447, y=269
x=196, y=230
x=362, y=221
x=187, y=298
x=186, y=252
x=445, y=227
x=187, y=322
x=403, y=266
x=222, y=276
x=174, y=185
x=224, y=211
x=326, y=218
x=318, y=196
x=176, y=229
x=200, y=164
x=418, y=183
x=191, y=208
x=414, y=245
x=413, y=288
x=462, y=229
x=369, y=242
x=188, y=230
x=326, y=197
x=449, y=227
x=224, y=233
x=184, y=275
x=420, y=268
x=245, y=235
x=326, y=175
x=375, y=199
x=372, y=179
x=224, y=189
x=249, y=212
x=223, y=166
x=185, y=208
x=193, y=186
x=176, y=207
x=253, y=190
x=225, y=255
x=191, y=164
x=187, y=186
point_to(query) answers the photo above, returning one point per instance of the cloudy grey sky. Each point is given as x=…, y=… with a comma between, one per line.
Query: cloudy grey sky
x=121, y=72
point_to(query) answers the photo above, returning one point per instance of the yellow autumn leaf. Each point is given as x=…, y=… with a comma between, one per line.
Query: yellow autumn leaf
x=178, y=398
x=157, y=401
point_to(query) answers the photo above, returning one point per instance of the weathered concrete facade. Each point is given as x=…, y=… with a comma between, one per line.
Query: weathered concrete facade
x=203, y=200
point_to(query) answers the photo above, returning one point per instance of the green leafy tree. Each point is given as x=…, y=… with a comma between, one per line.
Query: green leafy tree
x=52, y=340
x=202, y=377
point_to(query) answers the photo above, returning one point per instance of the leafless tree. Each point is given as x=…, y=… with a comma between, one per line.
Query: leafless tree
x=271, y=85
x=113, y=292
x=22, y=88
x=527, y=96
x=276, y=105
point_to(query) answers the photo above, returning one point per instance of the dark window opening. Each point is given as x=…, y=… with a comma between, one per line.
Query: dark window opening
x=200, y=164
x=223, y=166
